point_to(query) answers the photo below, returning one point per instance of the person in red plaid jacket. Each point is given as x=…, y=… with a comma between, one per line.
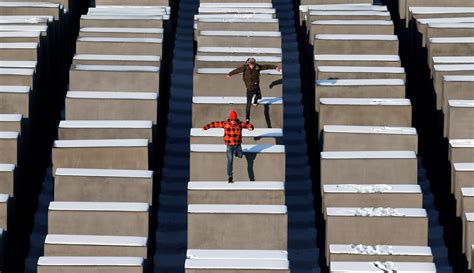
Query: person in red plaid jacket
x=232, y=138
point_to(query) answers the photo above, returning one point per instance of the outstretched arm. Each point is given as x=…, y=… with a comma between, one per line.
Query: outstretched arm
x=269, y=66
x=236, y=71
x=247, y=126
x=215, y=124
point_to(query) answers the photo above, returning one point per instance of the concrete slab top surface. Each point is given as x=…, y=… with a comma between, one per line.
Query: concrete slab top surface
x=10, y=117
x=464, y=167
x=354, y=37
x=263, y=59
x=225, y=71
x=60, y=239
x=235, y=100
x=462, y=143
x=248, y=15
x=238, y=20
x=369, y=130
x=7, y=167
x=40, y=28
x=229, y=33
x=237, y=254
x=468, y=192
x=452, y=40
x=349, y=13
x=461, y=103
x=361, y=82
x=451, y=78
x=375, y=188
x=19, y=34
x=346, y=7
x=90, y=261
x=356, y=57
x=18, y=45
x=104, y=173
x=29, y=4
x=14, y=88
x=236, y=5
x=221, y=148
x=369, y=155
x=365, y=101
x=354, y=22
x=120, y=40
x=401, y=267
x=28, y=19
x=120, y=17
x=363, y=69
x=439, y=10
x=18, y=64
x=242, y=264
x=109, y=124
x=132, y=7
x=255, y=10
x=247, y=186
x=237, y=209
x=451, y=25
x=9, y=135
x=112, y=95
x=249, y=50
x=90, y=143
x=470, y=216
x=219, y=132
x=4, y=198
x=454, y=67
x=98, y=206
x=122, y=68
x=122, y=30
x=380, y=250
x=425, y=21
x=17, y=71
x=376, y=212
x=102, y=57
x=453, y=59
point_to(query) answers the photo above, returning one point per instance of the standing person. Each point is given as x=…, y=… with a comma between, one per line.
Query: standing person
x=232, y=138
x=251, y=75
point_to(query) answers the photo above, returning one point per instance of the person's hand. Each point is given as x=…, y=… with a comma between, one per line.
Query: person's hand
x=228, y=76
x=204, y=128
x=278, y=68
x=251, y=129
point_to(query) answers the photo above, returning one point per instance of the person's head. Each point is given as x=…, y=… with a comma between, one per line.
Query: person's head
x=233, y=117
x=251, y=62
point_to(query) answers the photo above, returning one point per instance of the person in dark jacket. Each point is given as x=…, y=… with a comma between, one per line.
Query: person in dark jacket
x=232, y=138
x=251, y=75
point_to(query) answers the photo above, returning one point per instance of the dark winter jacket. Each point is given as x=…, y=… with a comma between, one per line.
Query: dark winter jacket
x=252, y=76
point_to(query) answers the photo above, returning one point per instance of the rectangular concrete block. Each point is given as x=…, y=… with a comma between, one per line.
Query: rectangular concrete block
x=222, y=38
x=463, y=176
x=305, y=10
x=449, y=30
x=355, y=44
x=461, y=150
x=4, y=211
x=17, y=76
x=115, y=78
x=316, y=15
x=402, y=226
x=365, y=112
x=267, y=114
x=20, y=37
x=459, y=117
x=213, y=82
x=378, y=195
x=406, y=4
x=208, y=163
x=261, y=193
x=338, y=267
x=132, y=10
x=11, y=122
x=467, y=201
x=440, y=71
x=457, y=88
x=121, y=32
x=15, y=100
x=383, y=253
x=257, y=136
x=103, y=185
x=93, y=245
x=369, y=138
x=249, y=16
x=106, y=129
x=356, y=60
x=111, y=106
x=103, y=154
x=238, y=51
x=10, y=147
x=7, y=178
x=133, y=2
x=359, y=72
x=117, y=46
x=127, y=60
x=374, y=27
x=19, y=51
x=468, y=238
x=236, y=10
x=98, y=218
x=260, y=227
x=364, y=167
x=449, y=46
x=58, y=264
x=223, y=24
x=226, y=61
x=121, y=21
x=30, y=8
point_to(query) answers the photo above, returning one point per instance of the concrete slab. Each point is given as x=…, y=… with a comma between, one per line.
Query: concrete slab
x=468, y=237
x=439, y=71
x=19, y=51
x=369, y=138
x=401, y=267
x=261, y=24
x=405, y=4
x=463, y=176
x=121, y=32
x=11, y=122
x=17, y=76
x=7, y=178
x=356, y=60
x=359, y=72
x=467, y=201
x=10, y=147
x=98, y=218
x=208, y=163
x=257, y=136
x=114, y=78
x=111, y=106
x=423, y=24
x=93, y=245
x=449, y=46
x=239, y=51
x=121, y=21
x=117, y=46
x=133, y=2
x=31, y=8
x=267, y=114
x=225, y=38
x=457, y=87
x=449, y=30
x=103, y=185
x=355, y=44
x=259, y=227
x=459, y=119
x=133, y=60
x=460, y=151
x=103, y=154
x=20, y=37
x=57, y=264
x=261, y=193
x=317, y=15
x=4, y=211
x=226, y=61
x=236, y=266
x=378, y=27
x=365, y=167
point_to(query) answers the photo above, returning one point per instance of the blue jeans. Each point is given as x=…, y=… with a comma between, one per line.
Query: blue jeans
x=231, y=151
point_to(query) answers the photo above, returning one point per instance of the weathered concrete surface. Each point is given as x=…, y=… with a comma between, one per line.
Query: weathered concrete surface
x=15, y=103
x=459, y=122
x=88, y=45
x=7, y=178
x=324, y=46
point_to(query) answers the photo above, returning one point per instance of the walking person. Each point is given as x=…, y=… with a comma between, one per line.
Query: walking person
x=232, y=138
x=251, y=75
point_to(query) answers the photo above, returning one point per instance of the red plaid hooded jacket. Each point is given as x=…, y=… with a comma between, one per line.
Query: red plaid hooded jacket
x=232, y=133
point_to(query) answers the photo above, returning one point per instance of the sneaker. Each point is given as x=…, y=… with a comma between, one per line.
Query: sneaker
x=231, y=180
x=236, y=155
x=254, y=100
x=247, y=121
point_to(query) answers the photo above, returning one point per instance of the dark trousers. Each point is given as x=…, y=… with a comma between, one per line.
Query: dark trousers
x=250, y=93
